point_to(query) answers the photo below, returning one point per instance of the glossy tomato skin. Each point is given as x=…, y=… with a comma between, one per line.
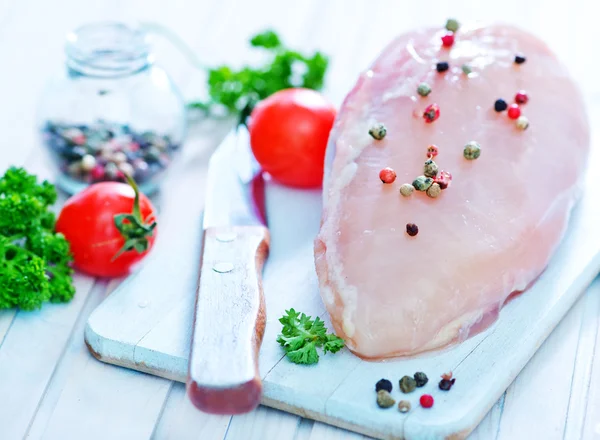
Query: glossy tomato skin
x=86, y=220
x=288, y=134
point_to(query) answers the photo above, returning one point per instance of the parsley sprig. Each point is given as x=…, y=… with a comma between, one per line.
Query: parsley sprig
x=34, y=260
x=238, y=91
x=301, y=335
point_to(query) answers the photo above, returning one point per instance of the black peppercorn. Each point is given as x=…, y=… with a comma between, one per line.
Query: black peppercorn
x=383, y=384
x=500, y=105
x=412, y=229
x=76, y=153
x=446, y=384
x=520, y=59
x=421, y=378
x=442, y=66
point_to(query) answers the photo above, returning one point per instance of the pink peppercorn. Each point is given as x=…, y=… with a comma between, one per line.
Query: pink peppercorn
x=97, y=173
x=443, y=179
x=432, y=151
x=79, y=139
x=426, y=401
x=387, y=175
x=431, y=113
x=521, y=97
x=514, y=111
x=448, y=39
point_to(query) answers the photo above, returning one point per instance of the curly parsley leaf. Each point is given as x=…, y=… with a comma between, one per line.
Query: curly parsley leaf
x=267, y=39
x=34, y=260
x=307, y=354
x=333, y=344
x=239, y=90
x=301, y=336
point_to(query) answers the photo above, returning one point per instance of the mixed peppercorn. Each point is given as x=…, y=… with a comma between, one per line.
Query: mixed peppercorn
x=433, y=180
x=107, y=151
x=514, y=110
x=407, y=385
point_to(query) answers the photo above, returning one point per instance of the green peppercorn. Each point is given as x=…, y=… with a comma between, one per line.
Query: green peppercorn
x=384, y=400
x=406, y=189
x=430, y=169
x=422, y=183
x=434, y=190
x=423, y=89
x=421, y=379
x=404, y=406
x=408, y=384
x=452, y=25
x=472, y=151
x=378, y=131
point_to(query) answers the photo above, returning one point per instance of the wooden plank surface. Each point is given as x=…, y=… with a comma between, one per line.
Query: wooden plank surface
x=352, y=31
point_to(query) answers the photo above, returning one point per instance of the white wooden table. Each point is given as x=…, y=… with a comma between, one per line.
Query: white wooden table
x=53, y=388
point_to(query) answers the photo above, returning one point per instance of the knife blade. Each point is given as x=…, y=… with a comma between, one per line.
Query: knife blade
x=229, y=321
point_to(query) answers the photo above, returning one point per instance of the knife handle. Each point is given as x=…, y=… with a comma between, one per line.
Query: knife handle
x=229, y=321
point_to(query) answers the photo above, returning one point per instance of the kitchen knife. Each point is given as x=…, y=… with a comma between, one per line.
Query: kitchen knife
x=230, y=315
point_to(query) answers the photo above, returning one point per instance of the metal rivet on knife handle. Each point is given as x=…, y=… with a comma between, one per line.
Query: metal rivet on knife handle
x=223, y=267
x=226, y=236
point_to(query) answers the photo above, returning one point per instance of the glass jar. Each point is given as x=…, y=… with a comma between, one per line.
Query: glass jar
x=114, y=113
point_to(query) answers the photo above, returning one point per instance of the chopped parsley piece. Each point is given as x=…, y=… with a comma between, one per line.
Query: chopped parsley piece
x=301, y=335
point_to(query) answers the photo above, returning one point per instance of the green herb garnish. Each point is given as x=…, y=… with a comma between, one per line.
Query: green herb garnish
x=34, y=260
x=238, y=91
x=301, y=335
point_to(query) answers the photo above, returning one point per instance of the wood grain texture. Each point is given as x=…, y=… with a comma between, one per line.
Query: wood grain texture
x=29, y=354
x=582, y=370
x=116, y=404
x=263, y=424
x=64, y=368
x=548, y=372
x=181, y=420
x=229, y=320
x=321, y=430
x=591, y=423
x=352, y=32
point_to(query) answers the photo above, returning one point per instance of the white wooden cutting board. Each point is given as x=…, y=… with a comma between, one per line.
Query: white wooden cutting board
x=146, y=324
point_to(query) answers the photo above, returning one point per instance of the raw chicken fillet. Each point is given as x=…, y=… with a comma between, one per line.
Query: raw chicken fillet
x=490, y=233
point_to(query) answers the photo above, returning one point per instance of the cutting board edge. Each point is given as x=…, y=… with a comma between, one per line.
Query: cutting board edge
x=103, y=349
x=335, y=421
x=96, y=344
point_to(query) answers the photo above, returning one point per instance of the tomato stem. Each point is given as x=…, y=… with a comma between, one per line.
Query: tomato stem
x=132, y=227
x=136, y=201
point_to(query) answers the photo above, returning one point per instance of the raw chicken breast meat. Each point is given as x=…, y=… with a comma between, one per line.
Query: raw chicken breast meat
x=490, y=233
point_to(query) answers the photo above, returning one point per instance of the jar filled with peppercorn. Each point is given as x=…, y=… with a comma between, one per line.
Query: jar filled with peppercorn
x=114, y=113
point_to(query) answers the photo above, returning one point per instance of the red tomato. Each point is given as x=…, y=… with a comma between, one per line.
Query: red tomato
x=288, y=135
x=87, y=221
